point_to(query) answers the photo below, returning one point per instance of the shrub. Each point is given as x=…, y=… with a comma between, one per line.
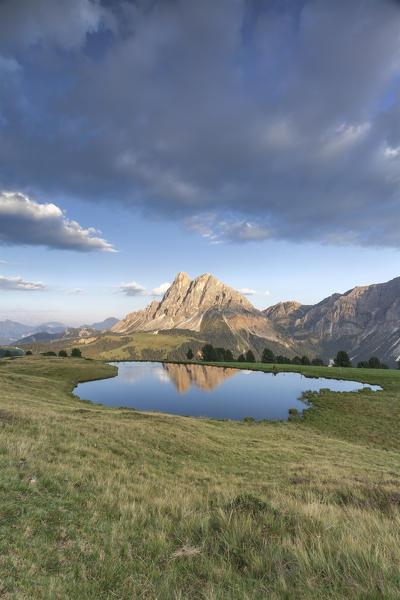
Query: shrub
x=363, y=364
x=267, y=356
x=374, y=362
x=63, y=353
x=76, y=353
x=189, y=354
x=317, y=362
x=229, y=356
x=49, y=353
x=305, y=360
x=342, y=359
x=241, y=358
x=250, y=356
x=28, y=353
x=283, y=360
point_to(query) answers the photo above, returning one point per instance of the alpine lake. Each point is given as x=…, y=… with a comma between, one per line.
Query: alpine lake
x=207, y=391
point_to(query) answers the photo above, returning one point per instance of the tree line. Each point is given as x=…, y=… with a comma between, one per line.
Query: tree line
x=75, y=353
x=211, y=354
x=342, y=359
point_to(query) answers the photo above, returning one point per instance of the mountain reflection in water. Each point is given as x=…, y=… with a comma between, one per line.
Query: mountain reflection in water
x=204, y=377
x=206, y=391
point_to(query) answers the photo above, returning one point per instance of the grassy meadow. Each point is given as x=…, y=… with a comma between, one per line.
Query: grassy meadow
x=102, y=503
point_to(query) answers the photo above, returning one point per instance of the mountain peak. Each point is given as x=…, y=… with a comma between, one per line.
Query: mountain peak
x=185, y=303
x=181, y=276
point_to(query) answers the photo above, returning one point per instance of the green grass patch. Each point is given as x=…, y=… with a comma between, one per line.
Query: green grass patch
x=101, y=503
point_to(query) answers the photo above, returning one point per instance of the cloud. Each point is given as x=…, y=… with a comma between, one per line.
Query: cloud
x=19, y=284
x=75, y=292
x=218, y=232
x=281, y=119
x=251, y=292
x=24, y=221
x=161, y=289
x=135, y=289
x=52, y=22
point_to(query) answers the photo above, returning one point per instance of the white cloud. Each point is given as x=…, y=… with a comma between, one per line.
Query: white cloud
x=19, y=284
x=248, y=292
x=343, y=138
x=161, y=289
x=218, y=232
x=391, y=152
x=251, y=292
x=135, y=289
x=26, y=222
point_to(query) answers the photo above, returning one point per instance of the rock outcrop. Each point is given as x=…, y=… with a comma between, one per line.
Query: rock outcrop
x=184, y=305
x=220, y=314
x=364, y=321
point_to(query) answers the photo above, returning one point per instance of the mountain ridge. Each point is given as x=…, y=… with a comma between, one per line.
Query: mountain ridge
x=364, y=321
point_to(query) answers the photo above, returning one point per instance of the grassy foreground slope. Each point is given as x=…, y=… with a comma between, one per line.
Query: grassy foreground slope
x=101, y=503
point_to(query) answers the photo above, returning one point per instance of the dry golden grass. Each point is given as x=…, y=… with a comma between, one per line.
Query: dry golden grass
x=103, y=503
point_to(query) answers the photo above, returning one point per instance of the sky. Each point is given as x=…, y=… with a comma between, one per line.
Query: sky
x=257, y=140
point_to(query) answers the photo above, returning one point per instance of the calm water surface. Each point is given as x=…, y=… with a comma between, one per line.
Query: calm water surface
x=202, y=391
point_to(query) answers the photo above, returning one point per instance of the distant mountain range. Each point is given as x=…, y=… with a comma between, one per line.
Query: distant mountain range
x=12, y=331
x=364, y=321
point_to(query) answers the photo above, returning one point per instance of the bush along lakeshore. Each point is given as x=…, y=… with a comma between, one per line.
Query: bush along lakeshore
x=101, y=503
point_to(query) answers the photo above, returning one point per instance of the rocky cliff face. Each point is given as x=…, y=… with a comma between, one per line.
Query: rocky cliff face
x=184, y=305
x=220, y=315
x=364, y=321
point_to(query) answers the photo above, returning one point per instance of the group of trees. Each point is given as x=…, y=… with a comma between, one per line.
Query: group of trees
x=342, y=359
x=211, y=354
x=75, y=353
x=373, y=363
x=269, y=357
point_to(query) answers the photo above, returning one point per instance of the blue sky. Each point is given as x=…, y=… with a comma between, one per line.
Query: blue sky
x=258, y=141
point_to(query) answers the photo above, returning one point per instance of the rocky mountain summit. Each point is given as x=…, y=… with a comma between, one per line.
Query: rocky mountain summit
x=184, y=305
x=222, y=315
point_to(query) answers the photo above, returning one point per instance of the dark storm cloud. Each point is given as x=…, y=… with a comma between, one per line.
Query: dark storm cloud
x=243, y=120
